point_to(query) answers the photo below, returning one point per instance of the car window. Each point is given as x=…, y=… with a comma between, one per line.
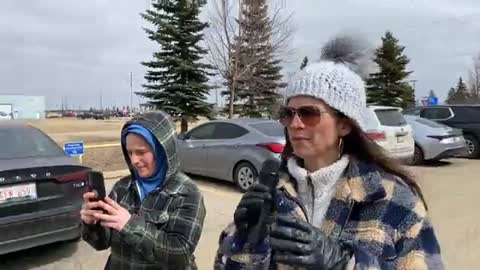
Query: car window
x=436, y=113
x=228, y=131
x=429, y=123
x=467, y=114
x=26, y=142
x=274, y=129
x=415, y=112
x=390, y=117
x=204, y=132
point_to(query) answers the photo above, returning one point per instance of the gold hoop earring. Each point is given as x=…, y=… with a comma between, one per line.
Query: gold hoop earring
x=340, y=148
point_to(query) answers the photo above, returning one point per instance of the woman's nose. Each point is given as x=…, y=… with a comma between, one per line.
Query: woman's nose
x=296, y=122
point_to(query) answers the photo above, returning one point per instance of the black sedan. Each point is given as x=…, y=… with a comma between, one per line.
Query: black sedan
x=40, y=189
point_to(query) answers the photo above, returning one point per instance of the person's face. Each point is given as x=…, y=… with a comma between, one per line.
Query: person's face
x=313, y=127
x=141, y=155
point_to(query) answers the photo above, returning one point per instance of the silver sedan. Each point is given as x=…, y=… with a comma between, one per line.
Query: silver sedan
x=435, y=141
x=231, y=150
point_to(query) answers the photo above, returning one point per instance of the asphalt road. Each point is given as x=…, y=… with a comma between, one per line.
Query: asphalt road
x=451, y=190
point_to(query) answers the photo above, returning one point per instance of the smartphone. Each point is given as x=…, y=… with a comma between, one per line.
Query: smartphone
x=96, y=184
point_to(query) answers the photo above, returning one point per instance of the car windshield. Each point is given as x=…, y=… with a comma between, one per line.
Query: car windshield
x=390, y=117
x=26, y=142
x=273, y=129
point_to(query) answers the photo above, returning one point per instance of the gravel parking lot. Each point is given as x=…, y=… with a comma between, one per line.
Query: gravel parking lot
x=450, y=187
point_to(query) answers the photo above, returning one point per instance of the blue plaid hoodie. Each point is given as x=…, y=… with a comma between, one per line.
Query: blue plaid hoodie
x=373, y=212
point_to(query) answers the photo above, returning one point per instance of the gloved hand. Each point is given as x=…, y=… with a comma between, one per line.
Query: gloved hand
x=298, y=243
x=250, y=207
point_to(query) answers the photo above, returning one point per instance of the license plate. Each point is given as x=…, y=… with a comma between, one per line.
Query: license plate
x=19, y=192
x=401, y=139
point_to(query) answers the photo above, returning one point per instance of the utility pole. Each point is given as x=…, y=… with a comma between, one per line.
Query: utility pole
x=413, y=83
x=131, y=92
x=101, y=100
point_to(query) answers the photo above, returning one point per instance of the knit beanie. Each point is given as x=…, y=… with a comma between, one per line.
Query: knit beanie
x=335, y=79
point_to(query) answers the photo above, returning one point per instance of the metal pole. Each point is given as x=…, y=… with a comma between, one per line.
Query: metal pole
x=131, y=92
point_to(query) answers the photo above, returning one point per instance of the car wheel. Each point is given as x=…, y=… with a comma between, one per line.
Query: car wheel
x=418, y=157
x=245, y=175
x=473, y=146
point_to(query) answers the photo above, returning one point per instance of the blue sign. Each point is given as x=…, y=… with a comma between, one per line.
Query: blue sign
x=73, y=148
x=432, y=100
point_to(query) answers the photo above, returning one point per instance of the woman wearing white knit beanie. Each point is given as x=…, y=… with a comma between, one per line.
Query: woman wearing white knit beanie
x=343, y=204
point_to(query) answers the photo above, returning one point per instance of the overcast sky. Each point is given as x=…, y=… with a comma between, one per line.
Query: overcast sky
x=86, y=49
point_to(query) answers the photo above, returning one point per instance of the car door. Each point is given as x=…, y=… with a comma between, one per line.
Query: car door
x=192, y=149
x=222, y=152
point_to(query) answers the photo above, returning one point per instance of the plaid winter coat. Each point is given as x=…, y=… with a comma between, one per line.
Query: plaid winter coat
x=373, y=212
x=165, y=227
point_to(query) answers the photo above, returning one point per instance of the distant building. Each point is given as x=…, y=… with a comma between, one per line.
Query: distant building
x=22, y=107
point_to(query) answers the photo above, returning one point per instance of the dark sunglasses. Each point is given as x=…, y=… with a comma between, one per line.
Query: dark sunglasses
x=309, y=115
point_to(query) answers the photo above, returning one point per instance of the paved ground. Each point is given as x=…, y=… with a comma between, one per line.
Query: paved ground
x=451, y=190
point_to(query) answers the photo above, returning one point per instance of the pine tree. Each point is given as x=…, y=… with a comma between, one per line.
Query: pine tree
x=387, y=86
x=460, y=95
x=451, y=96
x=304, y=63
x=177, y=79
x=256, y=94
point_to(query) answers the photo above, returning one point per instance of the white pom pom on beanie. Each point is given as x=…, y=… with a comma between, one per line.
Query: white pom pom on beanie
x=336, y=85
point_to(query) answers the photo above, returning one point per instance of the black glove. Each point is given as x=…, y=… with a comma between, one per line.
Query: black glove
x=250, y=207
x=298, y=243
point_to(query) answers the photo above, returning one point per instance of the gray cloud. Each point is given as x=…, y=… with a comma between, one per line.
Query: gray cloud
x=78, y=49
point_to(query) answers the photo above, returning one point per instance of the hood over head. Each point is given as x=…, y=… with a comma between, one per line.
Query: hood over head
x=159, y=131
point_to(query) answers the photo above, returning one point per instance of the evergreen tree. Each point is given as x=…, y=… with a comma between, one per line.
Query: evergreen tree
x=460, y=95
x=304, y=63
x=451, y=95
x=176, y=77
x=256, y=94
x=387, y=86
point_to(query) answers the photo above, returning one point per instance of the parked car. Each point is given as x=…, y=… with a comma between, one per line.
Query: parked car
x=464, y=117
x=94, y=115
x=70, y=114
x=435, y=141
x=231, y=150
x=387, y=126
x=86, y=115
x=40, y=189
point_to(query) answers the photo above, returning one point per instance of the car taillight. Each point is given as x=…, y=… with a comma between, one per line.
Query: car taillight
x=75, y=176
x=272, y=147
x=376, y=135
x=441, y=137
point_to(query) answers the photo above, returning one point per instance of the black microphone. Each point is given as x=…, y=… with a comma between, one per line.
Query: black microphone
x=269, y=176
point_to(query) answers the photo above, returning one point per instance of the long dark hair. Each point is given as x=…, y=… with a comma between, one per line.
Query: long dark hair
x=358, y=145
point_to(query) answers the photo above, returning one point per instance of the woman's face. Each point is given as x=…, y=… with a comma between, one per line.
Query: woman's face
x=141, y=155
x=319, y=132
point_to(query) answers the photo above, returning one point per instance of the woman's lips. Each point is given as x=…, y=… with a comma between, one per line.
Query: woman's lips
x=300, y=138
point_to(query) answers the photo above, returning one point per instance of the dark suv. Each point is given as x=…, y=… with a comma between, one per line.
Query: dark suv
x=465, y=117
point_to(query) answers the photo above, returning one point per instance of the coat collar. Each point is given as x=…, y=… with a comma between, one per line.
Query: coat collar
x=362, y=182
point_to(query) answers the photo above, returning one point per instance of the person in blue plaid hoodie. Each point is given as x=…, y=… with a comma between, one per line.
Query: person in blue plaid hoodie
x=341, y=202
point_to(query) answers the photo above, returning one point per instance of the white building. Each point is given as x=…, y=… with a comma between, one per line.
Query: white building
x=22, y=107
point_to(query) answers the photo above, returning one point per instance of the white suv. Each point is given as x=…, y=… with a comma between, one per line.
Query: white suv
x=388, y=127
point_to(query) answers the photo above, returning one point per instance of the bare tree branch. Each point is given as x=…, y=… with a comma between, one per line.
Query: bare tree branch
x=223, y=41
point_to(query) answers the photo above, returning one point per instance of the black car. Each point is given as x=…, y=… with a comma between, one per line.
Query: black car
x=94, y=115
x=40, y=189
x=464, y=117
